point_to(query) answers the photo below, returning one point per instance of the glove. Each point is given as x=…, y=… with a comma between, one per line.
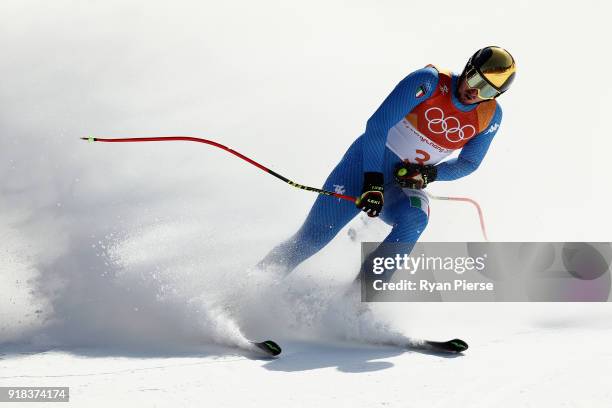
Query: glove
x=371, y=199
x=415, y=176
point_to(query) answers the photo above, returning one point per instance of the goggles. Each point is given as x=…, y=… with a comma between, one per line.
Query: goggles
x=475, y=80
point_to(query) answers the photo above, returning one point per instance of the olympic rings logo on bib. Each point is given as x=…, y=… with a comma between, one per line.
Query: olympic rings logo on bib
x=450, y=127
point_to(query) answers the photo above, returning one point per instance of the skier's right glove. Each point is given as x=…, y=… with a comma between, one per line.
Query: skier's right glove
x=371, y=199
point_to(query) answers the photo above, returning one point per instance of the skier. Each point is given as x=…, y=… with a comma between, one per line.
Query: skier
x=430, y=114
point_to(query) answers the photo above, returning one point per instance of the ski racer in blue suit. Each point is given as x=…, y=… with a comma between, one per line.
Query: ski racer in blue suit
x=430, y=114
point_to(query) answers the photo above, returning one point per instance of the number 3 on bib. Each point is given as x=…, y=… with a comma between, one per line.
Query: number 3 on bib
x=424, y=156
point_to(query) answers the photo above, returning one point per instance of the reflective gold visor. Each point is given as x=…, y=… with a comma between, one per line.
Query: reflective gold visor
x=478, y=82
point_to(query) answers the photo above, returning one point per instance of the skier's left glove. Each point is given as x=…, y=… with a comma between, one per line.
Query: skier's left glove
x=415, y=176
x=372, y=194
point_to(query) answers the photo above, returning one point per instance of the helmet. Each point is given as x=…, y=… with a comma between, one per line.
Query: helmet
x=491, y=71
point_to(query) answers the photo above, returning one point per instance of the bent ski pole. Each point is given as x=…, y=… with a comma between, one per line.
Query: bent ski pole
x=468, y=200
x=227, y=149
x=273, y=173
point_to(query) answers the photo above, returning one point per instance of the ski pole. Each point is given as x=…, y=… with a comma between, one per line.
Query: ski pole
x=468, y=200
x=273, y=173
x=227, y=149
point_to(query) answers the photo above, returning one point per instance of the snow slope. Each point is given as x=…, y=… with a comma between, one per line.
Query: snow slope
x=126, y=272
x=552, y=362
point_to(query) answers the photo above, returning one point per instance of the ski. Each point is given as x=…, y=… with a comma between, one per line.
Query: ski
x=454, y=346
x=268, y=347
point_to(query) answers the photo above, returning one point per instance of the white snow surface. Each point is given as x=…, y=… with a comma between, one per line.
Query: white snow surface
x=127, y=271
